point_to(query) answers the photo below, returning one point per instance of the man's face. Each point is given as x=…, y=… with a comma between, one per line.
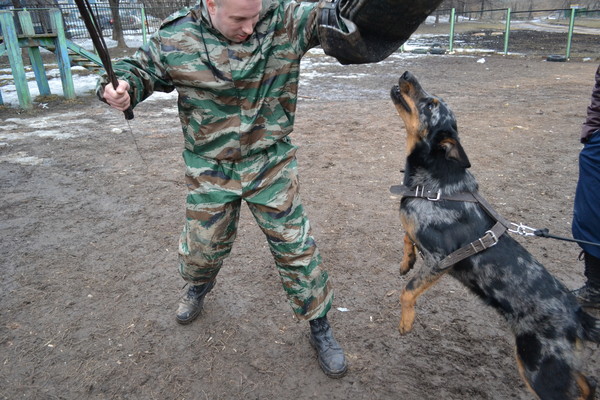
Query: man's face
x=235, y=19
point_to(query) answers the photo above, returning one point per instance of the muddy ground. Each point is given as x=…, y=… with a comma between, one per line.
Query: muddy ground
x=90, y=227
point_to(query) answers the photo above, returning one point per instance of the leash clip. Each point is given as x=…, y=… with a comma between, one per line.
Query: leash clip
x=523, y=230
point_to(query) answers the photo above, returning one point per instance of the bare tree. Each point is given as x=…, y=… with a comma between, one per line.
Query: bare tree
x=159, y=10
x=117, y=28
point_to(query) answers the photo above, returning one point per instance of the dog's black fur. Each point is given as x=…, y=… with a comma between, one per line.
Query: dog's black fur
x=545, y=318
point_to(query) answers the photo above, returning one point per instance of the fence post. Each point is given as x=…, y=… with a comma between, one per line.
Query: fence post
x=35, y=56
x=570, y=35
x=451, y=44
x=507, y=31
x=62, y=54
x=14, y=57
x=2, y=52
x=144, y=27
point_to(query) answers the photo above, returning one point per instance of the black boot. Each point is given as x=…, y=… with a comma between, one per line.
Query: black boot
x=330, y=354
x=589, y=294
x=190, y=304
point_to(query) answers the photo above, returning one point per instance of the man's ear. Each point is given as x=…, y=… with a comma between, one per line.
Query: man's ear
x=454, y=151
x=212, y=6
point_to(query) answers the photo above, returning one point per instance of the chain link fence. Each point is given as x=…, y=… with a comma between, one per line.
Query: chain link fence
x=133, y=19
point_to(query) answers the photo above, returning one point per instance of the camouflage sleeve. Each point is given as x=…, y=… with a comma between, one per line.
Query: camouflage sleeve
x=301, y=25
x=144, y=71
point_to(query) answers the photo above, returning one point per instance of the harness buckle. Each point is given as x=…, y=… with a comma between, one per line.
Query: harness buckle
x=522, y=230
x=420, y=192
x=494, y=237
x=438, y=196
x=481, y=243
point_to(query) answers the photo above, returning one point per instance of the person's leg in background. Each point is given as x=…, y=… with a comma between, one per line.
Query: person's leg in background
x=586, y=219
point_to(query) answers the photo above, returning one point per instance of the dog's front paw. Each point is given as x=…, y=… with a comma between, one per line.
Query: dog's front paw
x=407, y=316
x=406, y=265
x=405, y=326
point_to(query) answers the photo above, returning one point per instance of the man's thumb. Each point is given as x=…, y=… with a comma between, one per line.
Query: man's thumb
x=122, y=88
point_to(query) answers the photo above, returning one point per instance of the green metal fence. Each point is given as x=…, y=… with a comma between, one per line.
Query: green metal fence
x=572, y=32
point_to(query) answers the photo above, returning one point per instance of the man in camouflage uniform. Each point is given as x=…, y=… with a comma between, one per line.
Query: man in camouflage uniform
x=235, y=65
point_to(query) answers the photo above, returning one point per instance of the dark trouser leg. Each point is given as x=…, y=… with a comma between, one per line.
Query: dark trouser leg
x=586, y=219
x=589, y=294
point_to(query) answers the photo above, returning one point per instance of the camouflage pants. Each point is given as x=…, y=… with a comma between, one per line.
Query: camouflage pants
x=268, y=183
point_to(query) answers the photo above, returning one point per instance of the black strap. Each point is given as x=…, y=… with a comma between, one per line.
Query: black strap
x=329, y=13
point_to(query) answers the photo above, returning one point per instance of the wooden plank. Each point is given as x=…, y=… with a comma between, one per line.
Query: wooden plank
x=93, y=57
x=14, y=57
x=62, y=54
x=26, y=23
x=37, y=63
x=35, y=55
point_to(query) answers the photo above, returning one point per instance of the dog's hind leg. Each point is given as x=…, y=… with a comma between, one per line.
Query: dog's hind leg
x=525, y=376
x=587, y=387
x=409, y=256
x=551, y=377
x=413, y=289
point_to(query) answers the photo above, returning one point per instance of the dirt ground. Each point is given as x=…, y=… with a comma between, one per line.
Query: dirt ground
x=90, y=227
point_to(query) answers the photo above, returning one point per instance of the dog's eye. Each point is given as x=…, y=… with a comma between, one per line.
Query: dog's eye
x=430, y=105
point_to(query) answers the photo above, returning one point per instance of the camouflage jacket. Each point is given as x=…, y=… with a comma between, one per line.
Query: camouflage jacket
x=235, y=99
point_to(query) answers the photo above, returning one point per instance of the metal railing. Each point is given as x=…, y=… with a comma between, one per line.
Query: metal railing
x=572, y=32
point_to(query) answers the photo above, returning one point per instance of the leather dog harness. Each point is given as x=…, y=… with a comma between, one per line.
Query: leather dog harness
x=488, y=240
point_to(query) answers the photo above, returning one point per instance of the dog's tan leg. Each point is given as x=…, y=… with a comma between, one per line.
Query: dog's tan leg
x=413, y=289
x=524, y=376
x=408, y=257
x=587, y=389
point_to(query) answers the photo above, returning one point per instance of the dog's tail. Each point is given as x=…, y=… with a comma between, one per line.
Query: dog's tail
x=590, y=327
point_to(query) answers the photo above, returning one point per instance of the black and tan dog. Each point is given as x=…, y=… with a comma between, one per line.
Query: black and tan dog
x=456, y=231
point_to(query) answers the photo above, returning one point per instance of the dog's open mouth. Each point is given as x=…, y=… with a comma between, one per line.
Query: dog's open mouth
x=398, y=98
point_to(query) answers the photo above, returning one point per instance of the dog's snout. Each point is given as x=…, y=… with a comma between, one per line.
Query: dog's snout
x=407, y=76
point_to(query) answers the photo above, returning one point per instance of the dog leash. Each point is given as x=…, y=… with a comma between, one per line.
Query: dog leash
x=525, y=230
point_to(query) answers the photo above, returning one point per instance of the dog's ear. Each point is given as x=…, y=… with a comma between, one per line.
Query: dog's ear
x=454, y=151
